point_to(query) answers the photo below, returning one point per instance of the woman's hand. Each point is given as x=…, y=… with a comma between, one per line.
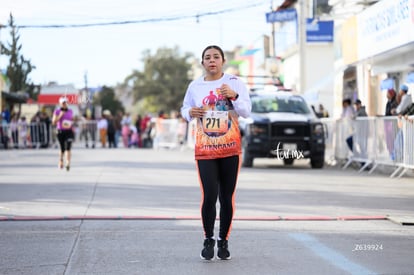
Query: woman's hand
x=197, y=112
x=227, y=92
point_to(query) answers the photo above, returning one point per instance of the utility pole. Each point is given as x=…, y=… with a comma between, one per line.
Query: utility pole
x=85, y=104
x=273, y=53
x=302, y=45
x=85, y=79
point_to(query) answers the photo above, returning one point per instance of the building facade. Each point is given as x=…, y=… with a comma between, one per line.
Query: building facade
x=377, y=53
x=357, y=49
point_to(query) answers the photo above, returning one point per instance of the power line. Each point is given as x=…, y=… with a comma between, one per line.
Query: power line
x=139, y=21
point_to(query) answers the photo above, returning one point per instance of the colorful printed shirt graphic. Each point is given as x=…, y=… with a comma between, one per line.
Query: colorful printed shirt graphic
x=217, y=133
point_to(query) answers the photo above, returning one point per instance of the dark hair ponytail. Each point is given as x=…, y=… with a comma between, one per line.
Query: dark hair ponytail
x=212, y=47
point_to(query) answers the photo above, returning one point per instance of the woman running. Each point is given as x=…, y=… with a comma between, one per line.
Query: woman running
x=63, y=119
x=216, y=100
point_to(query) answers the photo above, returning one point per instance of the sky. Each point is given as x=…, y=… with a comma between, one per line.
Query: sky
x=107, y=54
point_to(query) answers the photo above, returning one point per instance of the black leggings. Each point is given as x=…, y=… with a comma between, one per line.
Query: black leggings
x=218, y=178
x=65, y=138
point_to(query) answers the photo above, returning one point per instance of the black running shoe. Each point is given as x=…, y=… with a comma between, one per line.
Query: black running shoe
x=208, y=251
x=223, y=252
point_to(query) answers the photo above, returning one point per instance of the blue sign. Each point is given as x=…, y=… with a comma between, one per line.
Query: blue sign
x=410, y=77
x=319, y=31
x=281, y=16
x=387, y=83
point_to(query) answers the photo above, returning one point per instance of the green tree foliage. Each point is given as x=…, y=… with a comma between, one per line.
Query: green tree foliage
x=162, y=84
x=106, y=98
x=322, y=7
x=19, y=68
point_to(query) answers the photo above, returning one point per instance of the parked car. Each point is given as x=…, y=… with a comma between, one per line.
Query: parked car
x=282, y=126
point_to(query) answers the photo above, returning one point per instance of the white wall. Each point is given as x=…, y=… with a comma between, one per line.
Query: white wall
x=291, y=71
x=320, y=73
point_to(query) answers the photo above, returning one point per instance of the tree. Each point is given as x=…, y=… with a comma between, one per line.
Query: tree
x=106, y=98
x=162, y=84
x=322, y=7
x=18, y=68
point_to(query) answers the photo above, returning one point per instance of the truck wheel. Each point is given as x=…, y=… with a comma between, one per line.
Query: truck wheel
x=247, y=160
x=288, y=161
x=317, y=162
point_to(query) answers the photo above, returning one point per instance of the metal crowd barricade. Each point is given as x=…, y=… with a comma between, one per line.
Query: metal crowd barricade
x=330, y=135
x=22, y=135
x=167, y=133
x=87, y=131
x=191, y=133
x=39, y=134
x=371, y=141
x=405, y=139
x=362, y=142
x=343, y=130
x=387, y=146
x=383, y=141
x=4, y=135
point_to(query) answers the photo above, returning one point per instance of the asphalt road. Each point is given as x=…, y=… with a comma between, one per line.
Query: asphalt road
x=133, y=211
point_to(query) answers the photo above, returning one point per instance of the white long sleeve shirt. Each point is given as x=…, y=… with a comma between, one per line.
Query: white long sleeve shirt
x=406, y=101
x=199, y=90
x=218, y=133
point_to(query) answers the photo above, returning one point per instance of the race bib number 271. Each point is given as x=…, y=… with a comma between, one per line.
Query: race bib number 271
x=215, y=122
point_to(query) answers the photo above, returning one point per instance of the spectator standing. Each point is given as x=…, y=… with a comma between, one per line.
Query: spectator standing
x=103, y=128
x=404, y=109
x=14, y=128
x=159, y=129
x=317, y=114
x=406, y=100
x=138, y=123
x=390, y=126
x=145, y=133
x=359, y=109
x=23, y=130
x=118, y=127
x=126, y=123
x=89, y=128
x=391, y=102
x=110, y=129
x=322, y=111
x=4, y=138
x=409, y=111
x=362, y=131
x=45, y=129
x=133, y=136
x=6, y=115
x=348, y=114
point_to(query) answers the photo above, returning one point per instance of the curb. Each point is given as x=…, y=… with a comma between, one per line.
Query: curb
x=160, y=218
